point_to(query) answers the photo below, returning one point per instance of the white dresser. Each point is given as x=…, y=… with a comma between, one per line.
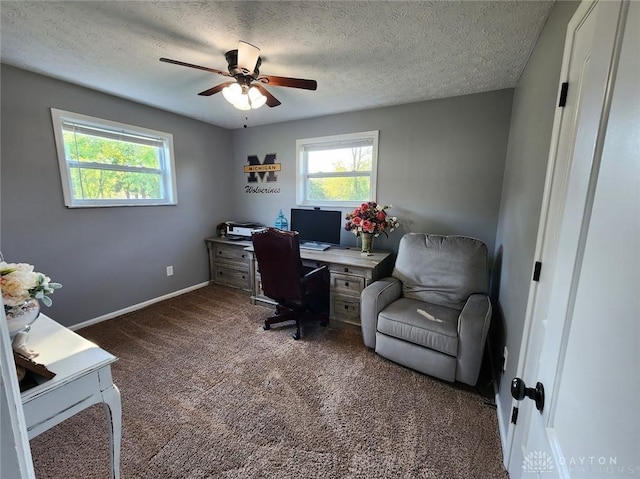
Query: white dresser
x=83, y=378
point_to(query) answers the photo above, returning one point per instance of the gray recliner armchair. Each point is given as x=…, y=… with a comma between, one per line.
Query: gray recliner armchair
x=433, y=313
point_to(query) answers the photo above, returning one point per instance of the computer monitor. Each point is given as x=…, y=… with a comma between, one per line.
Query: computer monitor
x=317, y=226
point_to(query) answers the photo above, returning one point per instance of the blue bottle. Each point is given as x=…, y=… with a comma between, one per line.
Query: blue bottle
x=281, y=222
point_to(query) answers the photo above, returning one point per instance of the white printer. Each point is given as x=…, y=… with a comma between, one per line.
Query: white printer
x=241, y=231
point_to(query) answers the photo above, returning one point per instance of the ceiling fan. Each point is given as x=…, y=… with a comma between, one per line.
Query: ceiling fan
x=246, y=92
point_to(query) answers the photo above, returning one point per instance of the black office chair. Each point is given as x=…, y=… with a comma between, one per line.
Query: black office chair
x=285, y=280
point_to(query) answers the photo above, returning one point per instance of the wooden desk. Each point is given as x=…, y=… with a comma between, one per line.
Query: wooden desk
x=350, y=273
x=83, y=378
x=231, y=261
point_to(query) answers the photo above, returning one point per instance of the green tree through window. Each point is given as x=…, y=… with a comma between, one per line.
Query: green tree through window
x=92, y=183
x=337, y=170
x=108, y=164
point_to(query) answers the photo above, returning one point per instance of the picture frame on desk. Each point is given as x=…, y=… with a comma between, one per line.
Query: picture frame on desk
x=26, y=367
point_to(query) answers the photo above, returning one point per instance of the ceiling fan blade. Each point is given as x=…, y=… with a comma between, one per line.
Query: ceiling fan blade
x=215, y=89
x=247, y=57
x=289, y=82
x=190, y=65
x=271, y=100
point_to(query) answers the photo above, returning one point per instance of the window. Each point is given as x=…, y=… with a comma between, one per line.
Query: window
x=337, y=170
x=105, y=163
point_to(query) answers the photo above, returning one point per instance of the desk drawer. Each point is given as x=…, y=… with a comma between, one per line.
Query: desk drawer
x=345, y=308
x=228, y=275
x=346, y=283
x=49, y=407
x=230, y=252
x=347, y=269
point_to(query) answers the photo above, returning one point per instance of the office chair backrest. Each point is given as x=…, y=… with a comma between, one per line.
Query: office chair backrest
x=279, y=263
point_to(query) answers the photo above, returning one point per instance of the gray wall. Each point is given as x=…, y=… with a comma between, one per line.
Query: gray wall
x=440, y=164
x=106, y=258
x=534, y=105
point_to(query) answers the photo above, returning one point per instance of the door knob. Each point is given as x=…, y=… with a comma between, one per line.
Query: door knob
x=519, y=391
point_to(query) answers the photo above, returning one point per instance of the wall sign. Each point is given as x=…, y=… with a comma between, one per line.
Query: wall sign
x=265, y=171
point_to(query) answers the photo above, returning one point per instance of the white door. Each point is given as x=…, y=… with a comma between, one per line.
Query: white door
x=583, y=315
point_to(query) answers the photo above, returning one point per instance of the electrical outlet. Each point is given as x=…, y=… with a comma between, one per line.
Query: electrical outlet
x=169, y=270
x=505, y=353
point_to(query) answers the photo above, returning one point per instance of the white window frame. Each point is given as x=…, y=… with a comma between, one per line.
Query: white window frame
x=166, y=170
x=302, y=174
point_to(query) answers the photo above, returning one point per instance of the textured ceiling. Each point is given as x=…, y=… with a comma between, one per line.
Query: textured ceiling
x=362, y=54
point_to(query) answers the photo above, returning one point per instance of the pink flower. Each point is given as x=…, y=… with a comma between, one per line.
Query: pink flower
x=368, y=226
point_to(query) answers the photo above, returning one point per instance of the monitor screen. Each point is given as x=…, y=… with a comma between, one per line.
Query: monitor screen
x=318, y=226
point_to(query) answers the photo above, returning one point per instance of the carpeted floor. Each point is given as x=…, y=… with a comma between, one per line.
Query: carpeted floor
x=206, y=393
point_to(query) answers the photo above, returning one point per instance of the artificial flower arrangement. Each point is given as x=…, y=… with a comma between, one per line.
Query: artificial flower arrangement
x=19, y=283
x=370, y=218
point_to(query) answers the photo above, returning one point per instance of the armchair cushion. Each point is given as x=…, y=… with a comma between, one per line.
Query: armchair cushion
x=402, y=320
x=443, y=270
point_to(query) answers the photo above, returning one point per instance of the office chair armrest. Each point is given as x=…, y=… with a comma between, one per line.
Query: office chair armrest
x=473, y=326
x=314, y=274
x=373, y=299
x=316, y=282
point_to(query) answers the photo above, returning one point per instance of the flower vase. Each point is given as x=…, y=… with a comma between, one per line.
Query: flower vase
x=367, y=244
x=20, y=317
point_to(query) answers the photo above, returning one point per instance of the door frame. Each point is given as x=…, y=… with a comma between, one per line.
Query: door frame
x=23, y=462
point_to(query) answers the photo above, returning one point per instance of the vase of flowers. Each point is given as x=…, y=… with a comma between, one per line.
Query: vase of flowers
x=368, y=221
x=367, y=242
x=22, y=290
x=20, y=317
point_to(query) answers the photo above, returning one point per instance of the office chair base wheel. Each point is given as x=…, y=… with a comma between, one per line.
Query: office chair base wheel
x=296, y=336
x=266, y=326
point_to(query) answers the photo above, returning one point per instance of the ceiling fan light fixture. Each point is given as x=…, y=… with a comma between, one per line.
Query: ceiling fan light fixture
x=256, y=98
x=244, y=98
x=232, y=92
x=242, y=102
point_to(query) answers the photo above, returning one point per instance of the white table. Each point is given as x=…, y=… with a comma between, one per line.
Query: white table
x=83, y=378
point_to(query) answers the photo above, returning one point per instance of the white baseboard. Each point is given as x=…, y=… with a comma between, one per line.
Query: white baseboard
x=136, y=307
x=503, y=429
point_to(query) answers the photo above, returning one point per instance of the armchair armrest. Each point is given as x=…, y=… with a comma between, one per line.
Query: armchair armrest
x=473, y=326
x=373, y=299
